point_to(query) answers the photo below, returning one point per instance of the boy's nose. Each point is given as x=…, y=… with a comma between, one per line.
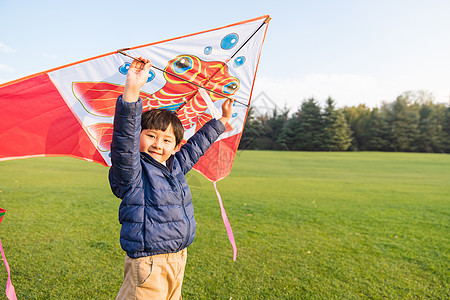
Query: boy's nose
x=157, y=144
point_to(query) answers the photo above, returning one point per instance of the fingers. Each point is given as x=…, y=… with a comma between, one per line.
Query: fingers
x=137, y=76
x=227, y=107
x=229, y=103
x=141, y=63
x=147, y=64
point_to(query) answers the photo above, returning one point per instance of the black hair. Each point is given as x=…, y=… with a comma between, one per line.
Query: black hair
x=160, y=119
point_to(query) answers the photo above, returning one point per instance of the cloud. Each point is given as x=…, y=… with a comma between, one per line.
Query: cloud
x=6, y=49
x=345, y=89
x=5, y=68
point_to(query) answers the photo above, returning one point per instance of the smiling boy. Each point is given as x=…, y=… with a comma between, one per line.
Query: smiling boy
x=148, y=174
x=159, y=138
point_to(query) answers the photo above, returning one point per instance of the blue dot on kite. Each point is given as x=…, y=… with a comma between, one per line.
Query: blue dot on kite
x=234, y=115
x=208, y=50
x=229, y=41
x=124, y=68
x=239, y=61
x=151, y=76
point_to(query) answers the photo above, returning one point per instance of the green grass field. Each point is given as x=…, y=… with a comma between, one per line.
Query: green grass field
x=307, y=225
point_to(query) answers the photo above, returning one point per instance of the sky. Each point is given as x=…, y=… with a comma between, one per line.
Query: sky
x=357, y=52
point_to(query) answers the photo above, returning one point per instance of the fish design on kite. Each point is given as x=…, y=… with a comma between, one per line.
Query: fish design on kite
x=182, y=96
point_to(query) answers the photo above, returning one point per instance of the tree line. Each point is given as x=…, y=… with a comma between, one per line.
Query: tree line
x=412, y=123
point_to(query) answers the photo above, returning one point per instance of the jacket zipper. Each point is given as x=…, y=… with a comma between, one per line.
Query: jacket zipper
x=166, y=171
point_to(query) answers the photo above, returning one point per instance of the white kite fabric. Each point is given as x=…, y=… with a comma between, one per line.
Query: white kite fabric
x=69, y=111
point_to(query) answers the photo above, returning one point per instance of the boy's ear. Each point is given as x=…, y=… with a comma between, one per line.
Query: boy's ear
x=177, y=148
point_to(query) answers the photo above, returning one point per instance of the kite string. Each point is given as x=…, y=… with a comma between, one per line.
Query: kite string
x=226, y=222
x=10, y=292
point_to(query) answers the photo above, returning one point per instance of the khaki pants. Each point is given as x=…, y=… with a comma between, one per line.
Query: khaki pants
x=153, y=277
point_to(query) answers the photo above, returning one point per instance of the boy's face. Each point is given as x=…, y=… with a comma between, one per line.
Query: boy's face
x=158, y=144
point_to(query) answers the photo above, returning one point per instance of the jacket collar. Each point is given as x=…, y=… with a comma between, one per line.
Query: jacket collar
x=169, y=162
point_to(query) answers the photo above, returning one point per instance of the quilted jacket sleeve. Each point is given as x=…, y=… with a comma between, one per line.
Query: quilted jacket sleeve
x=125, y=157
x=197, y=145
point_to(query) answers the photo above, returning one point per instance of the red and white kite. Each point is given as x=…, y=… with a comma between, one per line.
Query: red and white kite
x=68, y=111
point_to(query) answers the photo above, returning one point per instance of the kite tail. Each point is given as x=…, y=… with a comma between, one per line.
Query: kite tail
x=10, y=292
x=226, y=222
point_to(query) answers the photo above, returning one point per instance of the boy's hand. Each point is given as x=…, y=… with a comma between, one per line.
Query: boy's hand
x=137, y=76
x=227, y=111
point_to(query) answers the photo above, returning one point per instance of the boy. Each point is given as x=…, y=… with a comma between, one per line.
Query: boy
x=147, y=173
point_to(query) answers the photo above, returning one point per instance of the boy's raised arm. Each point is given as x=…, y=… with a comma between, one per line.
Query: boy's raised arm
x=125, y=168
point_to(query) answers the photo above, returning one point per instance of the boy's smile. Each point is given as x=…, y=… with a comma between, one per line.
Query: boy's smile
x=158, y=144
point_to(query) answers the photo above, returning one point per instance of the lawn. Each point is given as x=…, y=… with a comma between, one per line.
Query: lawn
x=308, y=225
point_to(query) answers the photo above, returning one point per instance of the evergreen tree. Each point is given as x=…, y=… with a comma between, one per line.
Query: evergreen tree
x=261, y=132
x=445, y=133
x=311, y=131
x=287, y=140
x=328, y=120
x=429, y=139
x=377, y=138
x=337, y=133
x=252, y=132
x=265, y=139
x=275, y=126
x=403, y=120
x=358, y=119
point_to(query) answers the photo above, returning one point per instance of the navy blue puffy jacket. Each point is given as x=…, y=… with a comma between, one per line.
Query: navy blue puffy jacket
x=156, y=211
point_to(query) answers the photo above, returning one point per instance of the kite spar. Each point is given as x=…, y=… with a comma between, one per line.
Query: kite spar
x=121, y=51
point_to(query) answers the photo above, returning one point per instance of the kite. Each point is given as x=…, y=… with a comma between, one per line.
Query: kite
x=69, y=110
x=10, y=292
